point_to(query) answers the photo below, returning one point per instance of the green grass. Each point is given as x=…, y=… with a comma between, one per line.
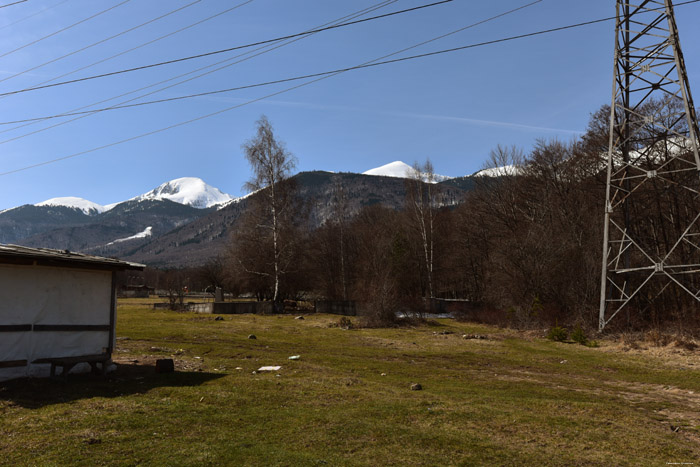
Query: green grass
x=507, y=400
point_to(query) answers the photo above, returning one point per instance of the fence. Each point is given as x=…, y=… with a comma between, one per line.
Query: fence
x=336, y=307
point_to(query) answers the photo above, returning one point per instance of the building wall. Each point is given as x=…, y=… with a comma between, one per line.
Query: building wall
x=38, y=295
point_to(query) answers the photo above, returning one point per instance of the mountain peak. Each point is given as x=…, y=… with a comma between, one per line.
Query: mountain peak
x=501, y=171
x=393, y=169
x=400, y=169
x=88, y=207
x=191, y=191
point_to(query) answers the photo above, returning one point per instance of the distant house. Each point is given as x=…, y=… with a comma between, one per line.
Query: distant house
x=55, y=306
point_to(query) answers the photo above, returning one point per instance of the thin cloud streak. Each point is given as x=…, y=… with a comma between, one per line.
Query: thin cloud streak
x=447, y=118
x=474, y=121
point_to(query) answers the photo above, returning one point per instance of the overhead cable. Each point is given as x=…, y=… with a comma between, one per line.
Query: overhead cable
x=152, y=41
x=261, y=50
x=160, y=130
x=340, y=70
x=102, y=41
x=65, y=28
x=216, y=52
x=228, y=109
x=32, y=15
x=373, y=63
x=13, y=3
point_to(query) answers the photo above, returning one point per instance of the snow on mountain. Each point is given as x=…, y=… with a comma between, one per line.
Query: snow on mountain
x=235, y=200
x=400, y=169
x=497, y=171
x=146, y=233
x=88, y=207
x=393, y=169
x=191, y=191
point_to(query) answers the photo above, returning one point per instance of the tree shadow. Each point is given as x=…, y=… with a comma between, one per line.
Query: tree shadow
x=128, y=379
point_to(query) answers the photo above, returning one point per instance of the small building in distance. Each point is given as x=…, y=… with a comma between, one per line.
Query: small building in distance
x=55, y=304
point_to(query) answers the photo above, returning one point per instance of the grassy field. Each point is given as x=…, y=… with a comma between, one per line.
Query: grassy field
x=505, y=400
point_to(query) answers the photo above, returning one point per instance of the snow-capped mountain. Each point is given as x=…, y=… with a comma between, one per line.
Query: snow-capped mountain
x=498, y=171
x=400, y=169
x=87, y=207
x=77, y=223
x=169, y=227
x=191, y=191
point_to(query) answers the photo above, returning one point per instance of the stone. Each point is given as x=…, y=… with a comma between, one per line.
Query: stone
x=416, y=387
x=165, y=365
x=252, y=336
x=299, y=317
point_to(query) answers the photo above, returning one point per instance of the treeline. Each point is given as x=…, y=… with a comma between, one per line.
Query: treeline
x=524, y=246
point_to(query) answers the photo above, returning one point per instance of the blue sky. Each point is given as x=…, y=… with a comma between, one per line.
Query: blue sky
x=453, y=108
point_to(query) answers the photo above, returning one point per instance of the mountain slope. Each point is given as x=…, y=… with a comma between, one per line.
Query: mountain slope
x=125, y=221
x=165, y=228
x=26, y=221
x=206, y=237
x=54, y=223
x=400, y=169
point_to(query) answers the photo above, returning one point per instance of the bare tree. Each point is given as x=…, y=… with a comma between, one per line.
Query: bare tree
x=422, y=205
x=340, y=216
x=271, y=164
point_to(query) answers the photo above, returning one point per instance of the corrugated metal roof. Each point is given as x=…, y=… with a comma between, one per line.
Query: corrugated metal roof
x=45, y=256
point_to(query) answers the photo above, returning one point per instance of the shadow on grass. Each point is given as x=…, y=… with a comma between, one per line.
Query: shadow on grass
x=128, y=379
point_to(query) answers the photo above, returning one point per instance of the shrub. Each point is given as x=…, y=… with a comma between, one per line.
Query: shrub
x=345, y=323
x=685, y=343
x=579, y=336
x=657, y=338
x=558, y=334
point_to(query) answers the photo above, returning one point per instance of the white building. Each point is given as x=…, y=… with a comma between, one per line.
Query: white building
x=57, y=309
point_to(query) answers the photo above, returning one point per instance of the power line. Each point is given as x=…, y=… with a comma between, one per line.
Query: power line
x=216, y=52
x=102, y=41
x=32, y=15
x=220, y=13
x=368, y=64
x=159, y=38
x=373, y=63
x=342, y=70
x=261, y=50
x=64, y=29
x=228, y=109
x=10, y=4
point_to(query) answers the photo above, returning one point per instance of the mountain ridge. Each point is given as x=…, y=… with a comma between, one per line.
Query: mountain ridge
x=157, y=229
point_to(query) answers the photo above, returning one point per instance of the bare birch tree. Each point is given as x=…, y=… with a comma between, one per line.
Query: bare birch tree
x=422, y=206
x=271, y=164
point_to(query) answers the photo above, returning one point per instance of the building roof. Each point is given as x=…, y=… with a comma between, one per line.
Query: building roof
x=15, y=254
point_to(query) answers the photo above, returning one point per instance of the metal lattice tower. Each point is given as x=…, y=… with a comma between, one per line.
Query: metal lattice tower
x=651, y=251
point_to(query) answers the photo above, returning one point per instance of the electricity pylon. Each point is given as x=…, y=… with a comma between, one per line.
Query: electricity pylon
x=651, y=249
